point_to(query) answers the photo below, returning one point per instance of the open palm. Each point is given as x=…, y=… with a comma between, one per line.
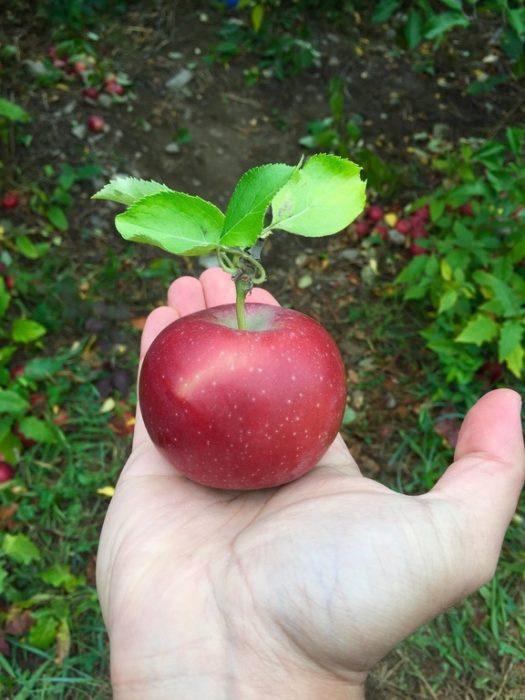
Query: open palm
x=226, y=594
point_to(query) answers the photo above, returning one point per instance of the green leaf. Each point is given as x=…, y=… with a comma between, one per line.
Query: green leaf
x=480, y=329
x=11, y=402
x=503, y=294
x=5, y=427
x=3, y=577
x=128, y=190
x=251, y=198
x=384, y=10
x=437, y=207
x=516, y=138
x=24, y=330
x=479, y=86
x=321, y=198
x=43, y=632
x=413, y=29
x=59, y=576
x=453, y=4
x=442, y=23
x=517, y=21
x=5, y=297
x=13, y=112
x=26, y=246
x=447, y=300
x=257, y=17
x=514, y=360
x=412, y=272
x=57, y=218
x=6, y=353
x=42, y=367
x=510, y=349
x=173, y=221
x=19, y=548
x=38, y=430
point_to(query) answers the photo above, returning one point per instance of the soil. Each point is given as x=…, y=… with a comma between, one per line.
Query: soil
x=234, y=127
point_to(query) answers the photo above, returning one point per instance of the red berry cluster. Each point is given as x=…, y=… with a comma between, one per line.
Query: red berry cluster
x=412, y=227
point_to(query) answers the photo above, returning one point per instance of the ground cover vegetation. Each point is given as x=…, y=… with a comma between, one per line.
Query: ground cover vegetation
x=423, y=294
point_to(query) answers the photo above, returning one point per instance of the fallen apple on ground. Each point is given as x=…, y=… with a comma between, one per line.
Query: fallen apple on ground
x=6, y=471
x=243, y=396
x=243, y=409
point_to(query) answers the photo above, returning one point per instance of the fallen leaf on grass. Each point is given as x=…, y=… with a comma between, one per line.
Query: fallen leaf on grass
x=123, y=425
x=6, y=516
x=138, y=323
x=106, y=491
x=18, y=622
x=448, y=428
x=63, y=642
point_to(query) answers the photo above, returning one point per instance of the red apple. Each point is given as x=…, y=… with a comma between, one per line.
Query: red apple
x=90, y=93
x=9, y=200
x=419, y=231
x=114, y=88
x=79, y=67
x=96, y=124
x=9, y=282
x=6, y=471
x=17, y=371
x=416, y=249
x=404, y=226
x=374, y=213
x=243, y=409
x=466, y=209
x=362, y=228
x=422, y=214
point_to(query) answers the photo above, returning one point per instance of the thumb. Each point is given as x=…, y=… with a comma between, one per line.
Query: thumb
x=487, y=475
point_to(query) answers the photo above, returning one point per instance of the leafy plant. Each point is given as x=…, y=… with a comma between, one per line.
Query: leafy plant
x=422, y=21
x=78, y=14
x=275, y=34
x=472, y=281
x=54, y=203
x=11, y=115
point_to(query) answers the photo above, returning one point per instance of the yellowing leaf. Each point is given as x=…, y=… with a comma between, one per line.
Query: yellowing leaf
x=106, y=491
x=446, y=270
x=257, y=17
x=391, y=219
x=108, y=405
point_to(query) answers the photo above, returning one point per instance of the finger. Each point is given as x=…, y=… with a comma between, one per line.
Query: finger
x=186, y=295
x=158, y=319
x=489, y=470
x=338, y=457
x=219, y=288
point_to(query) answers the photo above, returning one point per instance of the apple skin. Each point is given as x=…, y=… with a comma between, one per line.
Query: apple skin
x=246, y=409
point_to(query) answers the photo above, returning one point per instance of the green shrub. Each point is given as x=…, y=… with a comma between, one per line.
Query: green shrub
x=472, y=281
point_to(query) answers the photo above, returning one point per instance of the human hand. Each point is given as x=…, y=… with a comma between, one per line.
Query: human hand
x=293, y=592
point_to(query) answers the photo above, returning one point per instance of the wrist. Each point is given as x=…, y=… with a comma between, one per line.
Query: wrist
x=229, y=678
x=198, y=686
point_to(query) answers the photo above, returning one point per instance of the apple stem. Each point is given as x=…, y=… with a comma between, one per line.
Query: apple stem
x=246, y=270
x=243, y=284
